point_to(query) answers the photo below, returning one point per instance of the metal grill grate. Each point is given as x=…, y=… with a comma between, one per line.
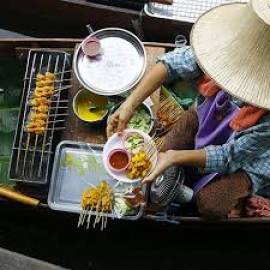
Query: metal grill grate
x=183, y=10
x=31, y=153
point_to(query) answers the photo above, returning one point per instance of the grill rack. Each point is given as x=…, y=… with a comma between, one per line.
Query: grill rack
x=31, y=156
x=184, y=10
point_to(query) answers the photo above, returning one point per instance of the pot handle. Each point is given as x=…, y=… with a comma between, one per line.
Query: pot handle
x=89, y=28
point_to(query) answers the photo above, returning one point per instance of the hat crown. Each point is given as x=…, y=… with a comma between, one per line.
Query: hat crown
x=262, y=9
x=231, y=45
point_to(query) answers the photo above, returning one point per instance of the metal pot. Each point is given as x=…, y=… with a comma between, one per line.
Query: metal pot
x=148, y=108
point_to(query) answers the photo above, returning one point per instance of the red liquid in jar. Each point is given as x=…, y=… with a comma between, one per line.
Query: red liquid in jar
x=119, y=160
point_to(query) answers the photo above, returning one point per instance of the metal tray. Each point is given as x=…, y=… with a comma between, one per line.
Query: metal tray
x=183, y=10
x=72, y=175
x=122, y=62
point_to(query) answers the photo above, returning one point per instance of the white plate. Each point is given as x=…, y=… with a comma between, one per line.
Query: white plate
x=115, y=142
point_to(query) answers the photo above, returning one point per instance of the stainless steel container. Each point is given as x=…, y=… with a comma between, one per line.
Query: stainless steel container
x=76, y=167
x=82, y=93
x=152, y=115
x=117, y=69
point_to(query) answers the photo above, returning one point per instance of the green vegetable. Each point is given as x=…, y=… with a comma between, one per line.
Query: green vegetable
x=121, y=208
x=134, y=143
x=140, y=120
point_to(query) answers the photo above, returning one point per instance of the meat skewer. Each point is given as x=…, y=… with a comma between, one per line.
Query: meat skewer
x=40, y=103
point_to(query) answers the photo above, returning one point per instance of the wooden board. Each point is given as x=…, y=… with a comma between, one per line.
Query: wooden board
x=78, y=130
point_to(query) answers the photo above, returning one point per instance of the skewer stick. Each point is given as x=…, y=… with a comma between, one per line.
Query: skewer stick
x=33, y=157
x=61, y=72
x=63, y=88
x=89, y=217
x=84, y=215
x=56, y=81
x=36, y=138
x=80, y=218
x=59, y=107
x=105, y=221
x=58, y=114
x=45, y=133
x=26, y=152
x=24, y=114
x=50, y=101
x=102, y=222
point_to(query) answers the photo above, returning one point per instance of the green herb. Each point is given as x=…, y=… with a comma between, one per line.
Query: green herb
x=134, y=143
x=140, y=120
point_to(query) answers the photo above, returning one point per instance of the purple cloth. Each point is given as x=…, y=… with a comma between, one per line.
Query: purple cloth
x=214, y=115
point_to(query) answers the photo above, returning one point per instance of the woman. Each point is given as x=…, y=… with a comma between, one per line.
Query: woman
x=231, y=137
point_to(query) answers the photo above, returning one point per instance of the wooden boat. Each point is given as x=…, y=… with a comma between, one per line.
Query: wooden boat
x=75, y=14
x=18, y=49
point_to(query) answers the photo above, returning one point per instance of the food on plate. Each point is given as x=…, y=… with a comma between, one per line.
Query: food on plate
x=37, y=120
x=84, y=101
x=134, y=142
x=136, y=199
x=105, y=201
x=141, y=120
x=99, y=198
x=121, y=207
x=119, y=159
x=139, y=165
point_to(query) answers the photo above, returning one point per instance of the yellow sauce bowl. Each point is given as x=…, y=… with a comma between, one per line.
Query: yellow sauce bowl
x=82, y=102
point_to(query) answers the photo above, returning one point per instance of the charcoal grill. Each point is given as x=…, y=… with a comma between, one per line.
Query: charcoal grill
x=31, y=157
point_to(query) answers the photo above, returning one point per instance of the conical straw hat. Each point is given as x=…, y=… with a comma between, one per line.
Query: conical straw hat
x=232, y=45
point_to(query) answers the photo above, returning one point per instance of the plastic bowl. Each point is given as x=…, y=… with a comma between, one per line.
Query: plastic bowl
x=113, y=152
x=91, y=46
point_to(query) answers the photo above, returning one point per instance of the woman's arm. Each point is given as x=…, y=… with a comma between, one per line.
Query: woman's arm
x=179, y=63
x=150, y=83
x=153, y=80
x=194, y=158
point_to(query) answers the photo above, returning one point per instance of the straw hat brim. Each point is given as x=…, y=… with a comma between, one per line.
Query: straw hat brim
x=232, y=46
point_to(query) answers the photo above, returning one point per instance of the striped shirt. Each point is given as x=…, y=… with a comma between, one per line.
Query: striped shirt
x=248, y=150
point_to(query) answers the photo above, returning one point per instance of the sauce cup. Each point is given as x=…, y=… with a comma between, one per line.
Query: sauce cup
x=119, y=155
x=91, y=46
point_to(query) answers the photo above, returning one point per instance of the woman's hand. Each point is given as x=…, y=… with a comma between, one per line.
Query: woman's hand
x=117, y=122
x=165, y=160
